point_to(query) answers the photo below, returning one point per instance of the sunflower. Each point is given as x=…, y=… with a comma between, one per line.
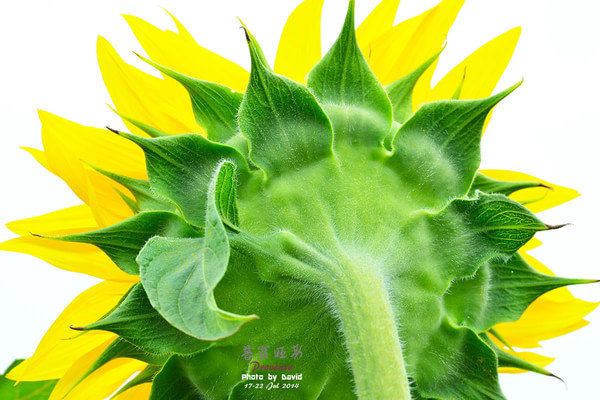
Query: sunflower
x=160, y=197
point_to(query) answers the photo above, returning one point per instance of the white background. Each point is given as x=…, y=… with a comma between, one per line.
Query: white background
x=547, y=128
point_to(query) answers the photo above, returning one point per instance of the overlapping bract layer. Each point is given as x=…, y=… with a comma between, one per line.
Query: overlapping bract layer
x=340, y=173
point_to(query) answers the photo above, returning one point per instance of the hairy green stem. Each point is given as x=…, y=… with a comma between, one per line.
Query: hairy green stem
x=372, y=340
x=361, y=303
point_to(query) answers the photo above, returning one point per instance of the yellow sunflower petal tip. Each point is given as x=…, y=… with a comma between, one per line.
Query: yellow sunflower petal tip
x=377, y=23
x=299, y=48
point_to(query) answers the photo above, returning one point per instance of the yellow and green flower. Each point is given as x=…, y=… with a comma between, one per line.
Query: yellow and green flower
x=327, y=217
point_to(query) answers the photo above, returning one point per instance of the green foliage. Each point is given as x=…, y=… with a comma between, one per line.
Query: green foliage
x=400, y=92
x=122, y=242
x=357, y=105
x=225, y=193
x=121, y=348
x=498, y=223
x=180, y=275
x=439, y=148
x=145, y=128
x=285, y=125
x=461, y=356
x=500, y=291
x=346, y=231
x=138, y=323
x=144, y=199
x=508, y=360
x=489, y=185
x=180, y=168
x=173, y=382
x=215, y=106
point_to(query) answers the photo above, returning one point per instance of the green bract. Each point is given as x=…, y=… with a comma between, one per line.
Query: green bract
x=325, y=231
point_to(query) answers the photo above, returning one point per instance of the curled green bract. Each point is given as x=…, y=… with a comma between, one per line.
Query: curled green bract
x=324, y=235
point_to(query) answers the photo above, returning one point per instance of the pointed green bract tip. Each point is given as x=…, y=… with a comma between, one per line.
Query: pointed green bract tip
x=459, y=88
x=487, y=103
x=78, y=328
x=140, y=141
x=503, y=94
x=355, y=102
x=350, y=15
x=259, y=61
x=508, y=360
x=164, y=69
x=555, y=227
x=583, y=281
x=349, y=29
x=486, y=184
x=147, y=129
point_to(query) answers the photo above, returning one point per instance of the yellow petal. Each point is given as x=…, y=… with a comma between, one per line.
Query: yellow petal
x=101, y=383
x=409, y=44
x=38, y=155
x=140, y=392
x=383, y=52
x=535, y=199
x=107, y=380
x=179, y=51
x=429, y=39
x=68, y=220
x=104, y=199
x=546, y=318
x=380, y=20
x=532, y=244
x=300, y=44
x=161, y=103
x=69, y=146
x=61, y=346
x=481, y=70
x=107, y=207
x=79, y=367
x=75, y=257
x=426, y=40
